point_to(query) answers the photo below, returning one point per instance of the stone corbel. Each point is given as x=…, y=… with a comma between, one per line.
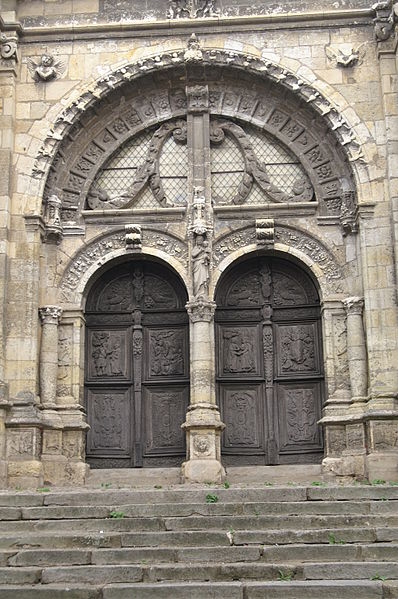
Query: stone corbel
x=9, y=46
x=265, y=232
x=348, y=214
x=52, y=217
x=385, y=19
x=133, y=237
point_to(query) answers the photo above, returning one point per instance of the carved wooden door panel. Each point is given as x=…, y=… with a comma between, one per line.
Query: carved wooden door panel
x=137, y=368
x=269, y=364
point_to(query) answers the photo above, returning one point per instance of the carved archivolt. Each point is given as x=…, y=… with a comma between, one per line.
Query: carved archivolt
x=76, y=152
x=293, y=238
x=97, y=251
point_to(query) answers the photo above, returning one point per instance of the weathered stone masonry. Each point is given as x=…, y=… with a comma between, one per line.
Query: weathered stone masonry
x=207, y=140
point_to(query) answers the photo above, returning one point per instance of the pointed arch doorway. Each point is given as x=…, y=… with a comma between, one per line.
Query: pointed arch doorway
x=269, y=364
x=137, y=367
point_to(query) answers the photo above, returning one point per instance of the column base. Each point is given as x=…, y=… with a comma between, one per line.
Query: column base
x=345, y=469
x=202, y=471
x=60, y=472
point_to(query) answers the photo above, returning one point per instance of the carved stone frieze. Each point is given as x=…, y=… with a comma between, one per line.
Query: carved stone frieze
x=201, y=310
x=191, y=9
x=50, y=314
x=96, y=252
x=229, y=243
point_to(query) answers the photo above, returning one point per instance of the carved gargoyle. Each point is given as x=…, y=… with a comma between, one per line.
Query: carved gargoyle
x=48, y=68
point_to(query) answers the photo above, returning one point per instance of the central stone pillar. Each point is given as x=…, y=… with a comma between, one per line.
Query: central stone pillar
x=203, y=424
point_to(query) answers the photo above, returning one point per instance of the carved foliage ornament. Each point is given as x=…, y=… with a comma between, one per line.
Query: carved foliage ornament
x=50, y=314
x=146, y=174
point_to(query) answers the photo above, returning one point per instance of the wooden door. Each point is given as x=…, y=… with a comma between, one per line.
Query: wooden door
x=269, y=364
x=137, y=368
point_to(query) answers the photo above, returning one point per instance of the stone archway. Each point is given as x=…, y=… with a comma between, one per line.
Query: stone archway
x=136, y=367
x=269, y=363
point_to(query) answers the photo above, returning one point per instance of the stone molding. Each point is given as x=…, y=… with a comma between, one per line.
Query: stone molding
x=50, y=314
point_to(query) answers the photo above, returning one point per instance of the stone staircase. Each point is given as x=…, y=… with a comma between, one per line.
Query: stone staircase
x=249, y=541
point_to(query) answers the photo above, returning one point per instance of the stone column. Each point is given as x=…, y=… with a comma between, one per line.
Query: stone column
x=356, y=352
x=49, y=316
x=203, y=423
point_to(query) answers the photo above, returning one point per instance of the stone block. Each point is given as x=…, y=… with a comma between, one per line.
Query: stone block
x=94, y=575
x=43, y=557
x=202, y=590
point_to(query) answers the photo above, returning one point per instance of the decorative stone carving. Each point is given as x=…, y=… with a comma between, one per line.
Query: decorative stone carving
x=9, y=46
x=201, y=310
x=354, y=305
x=348, y=213
x=202, y=445
x=147, y=173
x=52, y=218
x=50, y=314
x=346, y=56
x=193, y=53
x=200, y=256
x=198, y=98
x=386, y=17
x=133, y=237
x=191, y=9
x=48, y=68
x=265, y=232
x=99, y=249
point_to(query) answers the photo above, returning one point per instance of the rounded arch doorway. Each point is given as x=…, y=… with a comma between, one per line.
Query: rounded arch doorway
x=269, y=363
x=136, y=367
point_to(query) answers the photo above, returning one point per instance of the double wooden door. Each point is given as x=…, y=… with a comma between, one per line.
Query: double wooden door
x=269, y=364
x=137, y=367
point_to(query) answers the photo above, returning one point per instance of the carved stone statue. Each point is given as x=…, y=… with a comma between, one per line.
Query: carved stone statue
x=346, y=56
x=207, y=9
x=200, y=266
x=193, y=51
x=47, y=69
x=52, y=217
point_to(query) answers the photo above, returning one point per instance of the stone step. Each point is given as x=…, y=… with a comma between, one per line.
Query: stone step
x=223, y=523
x=331, y=589
x=214, y=572
x=197, y=494
x=246, y=553
x=204, y=509
x=198, y=538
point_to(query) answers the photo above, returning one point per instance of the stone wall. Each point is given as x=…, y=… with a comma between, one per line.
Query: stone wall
x=336, y=67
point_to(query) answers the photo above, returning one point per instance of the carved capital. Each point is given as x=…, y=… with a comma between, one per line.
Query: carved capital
x=265, y=231
x=354, y=305
x=201, y=310
x=133, y=237
x=50, y=314
x=385, y=19
x=198, y=98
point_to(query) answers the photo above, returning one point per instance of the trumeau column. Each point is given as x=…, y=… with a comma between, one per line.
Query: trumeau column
x=203, y=424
